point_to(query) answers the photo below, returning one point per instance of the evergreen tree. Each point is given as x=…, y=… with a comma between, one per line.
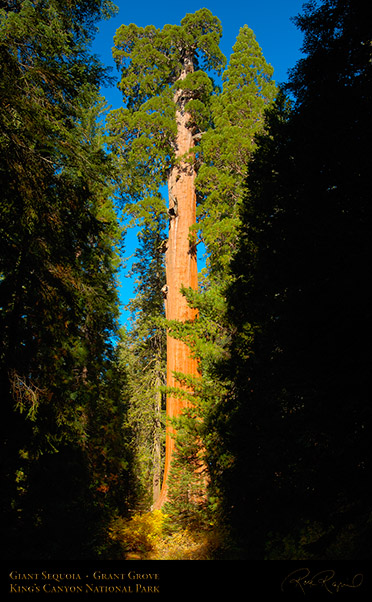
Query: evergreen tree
x=144, y=353
x=237, y=115
x=301, y=309
x=166, y=90
x=58, y=264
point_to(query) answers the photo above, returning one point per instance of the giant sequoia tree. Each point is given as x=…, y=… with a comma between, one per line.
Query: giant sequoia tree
x=166, y=90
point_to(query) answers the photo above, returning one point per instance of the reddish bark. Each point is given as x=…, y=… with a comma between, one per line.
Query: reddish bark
x=181, y=270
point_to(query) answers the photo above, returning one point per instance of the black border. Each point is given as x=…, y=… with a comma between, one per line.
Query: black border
x=204, y=580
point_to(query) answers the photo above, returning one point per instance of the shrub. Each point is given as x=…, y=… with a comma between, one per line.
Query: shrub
x=140, y=533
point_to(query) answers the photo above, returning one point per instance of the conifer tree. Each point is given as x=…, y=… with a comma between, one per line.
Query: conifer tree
x=58, y=310
x=301, y=309
x=166, y=91
x=237, y=114
x=144, y=351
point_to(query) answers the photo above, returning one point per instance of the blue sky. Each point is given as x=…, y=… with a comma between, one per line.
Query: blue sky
x=270, y=20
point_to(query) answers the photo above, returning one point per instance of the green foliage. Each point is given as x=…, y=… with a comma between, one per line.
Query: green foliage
x=59, y=306
x=155, y=64
x=299, y=419
x=142, y=141
x=151, y=62
x=142, y=355
x=145, y=140
x=198, y=87
x=202, y=35
x=187, y=505
x=237, y=114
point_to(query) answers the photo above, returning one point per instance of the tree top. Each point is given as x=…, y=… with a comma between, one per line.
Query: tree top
x=153, y=59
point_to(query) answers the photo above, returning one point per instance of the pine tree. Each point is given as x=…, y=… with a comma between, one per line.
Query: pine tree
x=166, y=90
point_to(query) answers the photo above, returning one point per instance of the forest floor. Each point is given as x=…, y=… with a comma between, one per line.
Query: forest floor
x=183, y=545
x=143, y=537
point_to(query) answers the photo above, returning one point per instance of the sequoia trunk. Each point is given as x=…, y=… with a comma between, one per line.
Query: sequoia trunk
x=181, y=270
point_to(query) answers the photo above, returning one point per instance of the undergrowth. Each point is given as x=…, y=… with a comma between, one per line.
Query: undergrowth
x=147, y=536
